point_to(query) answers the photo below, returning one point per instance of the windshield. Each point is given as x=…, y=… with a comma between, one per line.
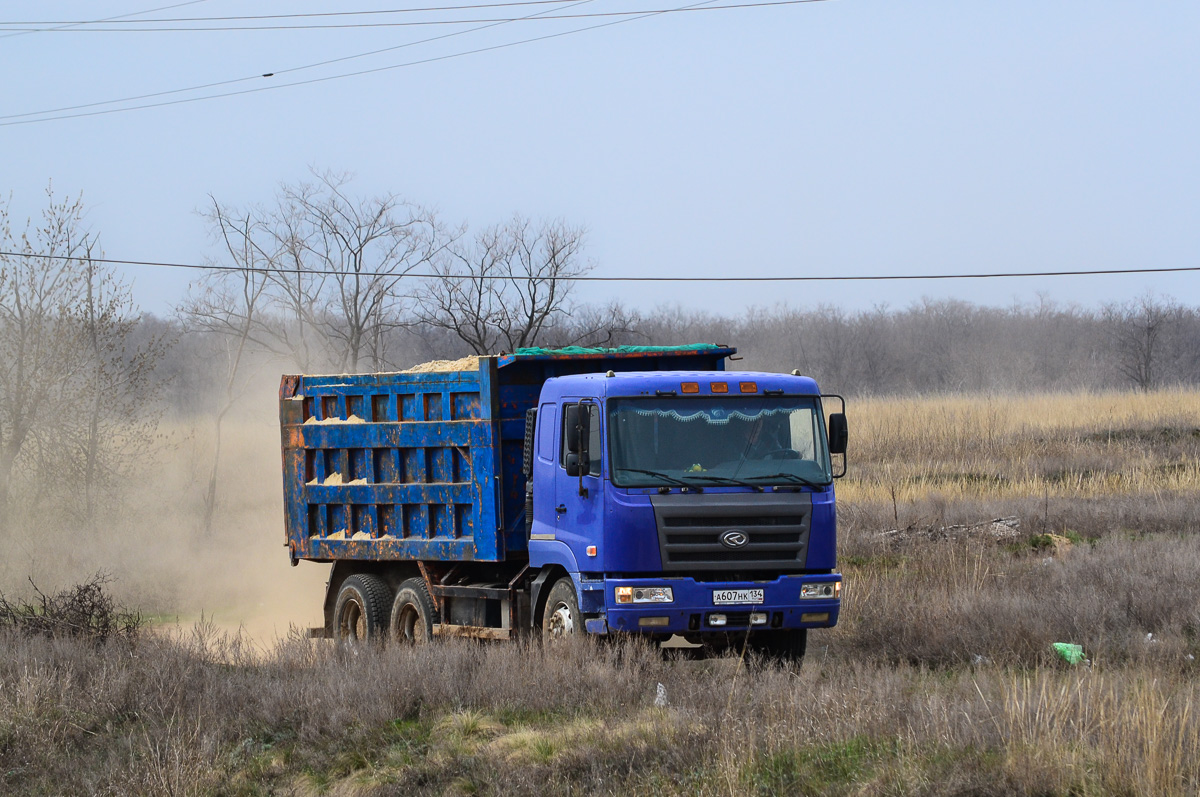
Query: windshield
x=713, y=440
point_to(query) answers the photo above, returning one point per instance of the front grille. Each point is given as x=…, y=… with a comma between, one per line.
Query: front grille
x=714, y=538
x=690, y=527
x=735, y=556
x=743, y=521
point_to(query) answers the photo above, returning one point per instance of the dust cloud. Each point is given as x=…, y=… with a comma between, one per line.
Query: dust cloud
x=149, y=536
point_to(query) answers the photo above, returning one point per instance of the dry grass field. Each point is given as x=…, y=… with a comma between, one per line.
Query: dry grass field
x=939, y=680
x=1002, y=447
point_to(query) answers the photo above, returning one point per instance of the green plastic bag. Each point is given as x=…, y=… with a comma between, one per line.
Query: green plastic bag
x=1072, y=654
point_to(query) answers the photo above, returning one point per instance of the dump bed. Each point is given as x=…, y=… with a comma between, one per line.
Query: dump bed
x=427, y=465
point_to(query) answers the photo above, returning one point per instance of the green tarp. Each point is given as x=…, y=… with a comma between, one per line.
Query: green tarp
x=535, y=351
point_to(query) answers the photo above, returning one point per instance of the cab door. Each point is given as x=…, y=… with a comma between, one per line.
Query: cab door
x=545, y=474
x=578, y=498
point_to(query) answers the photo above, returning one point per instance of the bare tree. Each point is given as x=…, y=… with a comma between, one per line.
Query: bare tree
x=119, y=385
x=283, y=316
x=612, y=324
x=258, y=255
x=506, y=286
x=1138, y=329
x=831, y=333
x=37, y=351
x=294, y=294
x=876, y=359
x=231, y=306
x=77, y=396
x=365, y=247
x=333, y=264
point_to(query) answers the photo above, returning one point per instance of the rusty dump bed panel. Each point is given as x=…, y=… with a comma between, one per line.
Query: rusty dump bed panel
x=424, y=466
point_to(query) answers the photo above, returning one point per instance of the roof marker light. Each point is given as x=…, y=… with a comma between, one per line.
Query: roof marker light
x=689, y=387
x=718, y=387
x=748, y=387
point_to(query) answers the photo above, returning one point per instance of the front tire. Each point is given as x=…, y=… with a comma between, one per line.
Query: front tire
x=561, y=618
x=360, y=614
x=413, y=614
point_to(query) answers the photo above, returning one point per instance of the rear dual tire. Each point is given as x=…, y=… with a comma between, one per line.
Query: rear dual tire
x=361, y=612
x=365, y=611
x=413, y=614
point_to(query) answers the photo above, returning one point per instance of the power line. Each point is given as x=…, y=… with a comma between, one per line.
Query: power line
x=585, y=278
x=415, y=23
x=270, y=73
x=275, y=16
x=361, y=72
x=65, y=25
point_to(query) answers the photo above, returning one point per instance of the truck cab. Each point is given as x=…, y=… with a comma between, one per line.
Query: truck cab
x=692, y=503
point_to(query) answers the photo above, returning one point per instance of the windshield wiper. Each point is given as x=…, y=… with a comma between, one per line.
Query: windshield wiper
x=658, y=474
x=792, y=477
x=727, y=480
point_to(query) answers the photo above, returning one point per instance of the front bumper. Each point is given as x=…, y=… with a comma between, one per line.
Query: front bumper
x=692, y=608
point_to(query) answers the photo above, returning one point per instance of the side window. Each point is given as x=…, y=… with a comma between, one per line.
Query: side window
x=545, y=432
x=803, y=432
x=594, y=448
x=597, y=451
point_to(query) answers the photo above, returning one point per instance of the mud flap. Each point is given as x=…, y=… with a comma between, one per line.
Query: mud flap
x=598, y=625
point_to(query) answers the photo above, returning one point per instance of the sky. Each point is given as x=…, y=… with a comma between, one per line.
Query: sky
x=847, y=137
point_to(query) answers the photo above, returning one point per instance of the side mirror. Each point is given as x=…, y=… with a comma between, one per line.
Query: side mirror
x=577, y=426
x=578, y=464
x=838, y=433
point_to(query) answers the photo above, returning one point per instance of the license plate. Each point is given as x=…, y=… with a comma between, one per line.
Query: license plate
x=725, y=597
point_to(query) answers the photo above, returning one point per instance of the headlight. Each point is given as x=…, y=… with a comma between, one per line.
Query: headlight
x=826, y=589
x=645, y=595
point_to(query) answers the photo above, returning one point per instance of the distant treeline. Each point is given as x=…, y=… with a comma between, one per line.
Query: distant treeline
x=933, y=346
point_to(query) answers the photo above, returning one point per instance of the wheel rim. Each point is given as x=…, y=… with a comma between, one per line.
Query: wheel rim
x=562, y=622
x=409, y=625
x=353, y=621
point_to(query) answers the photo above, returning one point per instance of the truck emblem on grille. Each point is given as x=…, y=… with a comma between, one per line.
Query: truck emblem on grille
x=734, y=538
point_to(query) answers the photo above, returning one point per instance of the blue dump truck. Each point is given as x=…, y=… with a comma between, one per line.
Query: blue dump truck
x=641, y=490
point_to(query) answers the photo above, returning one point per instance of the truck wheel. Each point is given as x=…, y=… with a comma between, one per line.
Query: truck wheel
x=413, y=614
x=361, y=611
x=561, y=618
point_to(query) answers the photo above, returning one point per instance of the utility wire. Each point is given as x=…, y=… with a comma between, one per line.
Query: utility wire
x=65, y=25
x=417, y=23
x=361, y=72
x=268, y=74
x=277, y=16
x=824, y=278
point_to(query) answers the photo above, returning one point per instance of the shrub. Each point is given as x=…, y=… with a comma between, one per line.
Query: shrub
x=85, y=610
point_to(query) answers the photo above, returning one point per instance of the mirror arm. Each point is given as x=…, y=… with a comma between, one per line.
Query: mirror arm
x=583, y=491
